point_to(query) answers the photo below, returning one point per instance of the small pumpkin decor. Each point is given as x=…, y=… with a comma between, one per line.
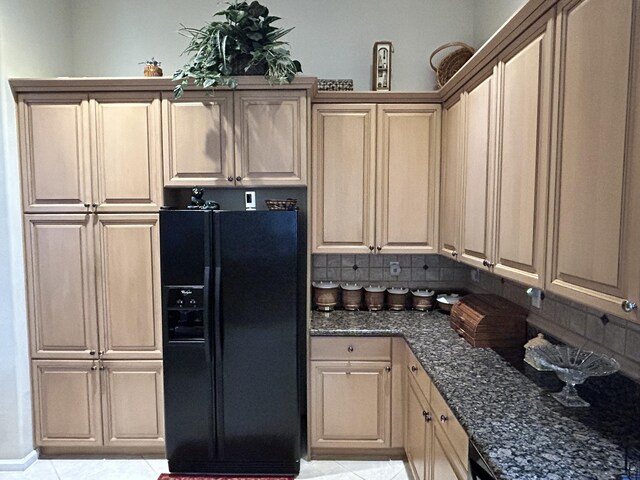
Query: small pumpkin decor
x=242, y=42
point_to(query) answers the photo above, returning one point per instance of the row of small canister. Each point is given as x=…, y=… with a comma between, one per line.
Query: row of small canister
x=372, y=297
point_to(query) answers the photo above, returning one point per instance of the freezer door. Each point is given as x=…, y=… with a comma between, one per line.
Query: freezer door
x=256, y=336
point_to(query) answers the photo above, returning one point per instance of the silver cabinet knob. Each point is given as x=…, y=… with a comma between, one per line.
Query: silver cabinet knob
x=414, y=368
x=87, y=205
x=92, y=352
x=371, y=248
x=387, y=369
x=427, y=416
x=93, y=367
x=238, y=178
x=628, y=306
x=350, y=348
x=230, y=179
x=378, y=248
x=443, y=418
x=487, y=263
x=454, y=254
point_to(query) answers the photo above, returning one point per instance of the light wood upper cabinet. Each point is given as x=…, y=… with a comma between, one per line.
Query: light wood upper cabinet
x=82, y=152
x=133, y=403
x=66, y=403
x=450, y=177
x=61, y=285
x=407, y=171
x=270, y=138
x=128, y=273
x=127, y=151
x=343, y=178
x=54, y=148
x=522, y=158
x=477, y=189
x=247, y=138
x=594, y=228
x=198, y=139
x=375, y=171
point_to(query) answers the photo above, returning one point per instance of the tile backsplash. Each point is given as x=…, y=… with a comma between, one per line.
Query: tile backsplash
x=432, y=271
x=573, y=323
x=568, y=321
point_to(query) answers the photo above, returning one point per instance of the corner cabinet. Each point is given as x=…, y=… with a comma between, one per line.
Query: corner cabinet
x=246, y=138
x=594, y=225
x=355, y=386
x=375, y=175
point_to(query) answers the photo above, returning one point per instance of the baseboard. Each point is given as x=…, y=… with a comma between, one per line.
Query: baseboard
x=18, y=464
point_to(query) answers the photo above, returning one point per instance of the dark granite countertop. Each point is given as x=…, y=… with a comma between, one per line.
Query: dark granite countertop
x=522, y=432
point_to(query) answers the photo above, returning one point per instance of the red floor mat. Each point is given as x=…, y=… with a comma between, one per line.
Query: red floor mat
x=167, y=476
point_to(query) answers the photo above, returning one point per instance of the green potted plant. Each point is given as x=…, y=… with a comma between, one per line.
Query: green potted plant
x=243, y=42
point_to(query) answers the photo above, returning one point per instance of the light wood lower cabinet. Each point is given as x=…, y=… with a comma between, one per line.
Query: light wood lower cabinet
x=419, y=432
x=84, y=403
x=356, y=394
x=437, y=446
x=351, y=404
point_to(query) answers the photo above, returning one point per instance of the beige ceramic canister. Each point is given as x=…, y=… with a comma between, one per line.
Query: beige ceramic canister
x=325, y=295
x=374, y=297
x=351, y=296
x=396, y=298
x=422, y=300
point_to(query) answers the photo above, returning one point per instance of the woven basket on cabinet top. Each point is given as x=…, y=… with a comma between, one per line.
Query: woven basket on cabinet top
x=450, y=64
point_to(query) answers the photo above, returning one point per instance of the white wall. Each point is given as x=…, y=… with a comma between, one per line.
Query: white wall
x=490, y=15
x=332, y=38
x=35, y=40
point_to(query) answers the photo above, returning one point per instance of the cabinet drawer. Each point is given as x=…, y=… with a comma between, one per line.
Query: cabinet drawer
x=419, y=375
x=444, y=418
x=350, y=348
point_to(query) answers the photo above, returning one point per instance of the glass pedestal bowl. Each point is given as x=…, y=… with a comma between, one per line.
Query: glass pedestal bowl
x=573, y=366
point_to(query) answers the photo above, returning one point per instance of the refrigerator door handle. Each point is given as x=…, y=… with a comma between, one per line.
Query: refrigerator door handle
x=207, y=312
x=217, y=363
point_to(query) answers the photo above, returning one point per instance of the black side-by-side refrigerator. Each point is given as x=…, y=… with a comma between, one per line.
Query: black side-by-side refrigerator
x=234, y=340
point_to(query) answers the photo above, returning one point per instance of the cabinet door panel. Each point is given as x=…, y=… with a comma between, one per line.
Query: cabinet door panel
x=198, y=139
x=477, y=195
x=61, y=285
x=522, y=161
x=54, y=144
x=445, y=466
x=343, y=178
x=452, y=158
x=407, y=168
x=132, y=400
x=270, y=137
x=127, y=151
x=351, y=404
x=418, y=437
x=128, y=286
x=593, y=161
x=66, y=403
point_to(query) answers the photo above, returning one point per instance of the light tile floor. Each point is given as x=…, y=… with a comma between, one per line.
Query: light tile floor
x=140, y=468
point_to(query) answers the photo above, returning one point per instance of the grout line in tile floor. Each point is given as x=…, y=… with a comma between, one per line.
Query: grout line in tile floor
x=142, y=468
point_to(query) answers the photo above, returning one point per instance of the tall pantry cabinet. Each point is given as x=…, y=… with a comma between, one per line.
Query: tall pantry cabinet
x=91, y=182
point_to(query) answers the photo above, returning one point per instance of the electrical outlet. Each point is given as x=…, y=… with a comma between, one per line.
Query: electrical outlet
x=394, y=269
x=536, y=297
x=250, y=200
x=475, y=275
